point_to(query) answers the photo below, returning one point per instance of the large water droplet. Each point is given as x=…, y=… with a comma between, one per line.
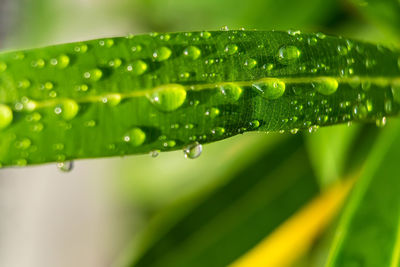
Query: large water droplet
x=380, y=122
x=93, y=75
x=192, y=52
x=162, y=53
x=65, y=166
x=288, y=53
x=138, y=67
x=231, y=91
x=168, y=97
x=135, y=137
x=67, y=109
x=6, y=116
x=326, y=85
x=61, y=61
x=193, y=150
x=270, y=88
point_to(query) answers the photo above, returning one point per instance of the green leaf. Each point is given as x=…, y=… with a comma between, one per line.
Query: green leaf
x=368, y=231
x=229, y=221
x=167, y=91
x=383, y=13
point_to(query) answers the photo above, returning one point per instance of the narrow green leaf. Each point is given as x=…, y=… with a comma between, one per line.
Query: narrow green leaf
x=235, y=217
x=166, y=91
x=368, y=231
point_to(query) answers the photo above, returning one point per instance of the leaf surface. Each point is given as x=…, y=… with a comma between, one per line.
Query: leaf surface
x=163, y=92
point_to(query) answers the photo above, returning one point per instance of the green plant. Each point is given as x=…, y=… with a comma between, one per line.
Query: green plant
x=164, y=92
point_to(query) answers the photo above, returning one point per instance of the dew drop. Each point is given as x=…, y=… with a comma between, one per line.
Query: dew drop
x=162, y=53
x=366, y=85
x=192, y=52
x=113, y=99
x=205, y=35
x=21, y=162
x=24, y=84
x=65, y=166
x=231, y=91
x=6, y=116
x=380, y=122
x=218, y=131
x=115, y=63
x=360, y=111
x=212, y=112
x=224, y=28
x=63, y=61
x=250, y=63
x=342, y=50
x=288, y=53
x=138, y=67
x=254, y=124
x=154, y=153
x=68, y=109
x=135, y=137
x=326, y=85
x=193, y=150
x=23, y=144
x=93, y=75
x=168, y=97
x=231, y=49
x=81, y=48
x=388, y=106
x=270, y=88
x=320, y=35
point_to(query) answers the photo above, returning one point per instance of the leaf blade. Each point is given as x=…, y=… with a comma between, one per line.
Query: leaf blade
x=132, y=95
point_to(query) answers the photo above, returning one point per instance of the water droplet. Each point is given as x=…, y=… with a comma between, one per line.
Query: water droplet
x=205, y=35
x=3, y=66
x=24, y=84
x=218, y=131
x=63, y=61
x=320, y=35
x=312, y=41
x=231, y=91
x=380, y=122
x=288, y=53
x=90, y=123
x=224, y=28
x=268, y=66
x=212, y=112
x=369, y=63
x=388, y=106
x=67, y=109
x=231, y=49
x=65, y=166
x=37, y=127
x=115, y=63
x=138, y=67
x=23, y=144
x=21, y=162
x=81, y=48
x=250, y=63
x=93, y=75
x=360, y=111
x=342, y=50
x=162, y=53
x=193, y=150
x=270, y=88
x=135, y=137
x=168, y=97
x=169, y=143
x=113, y=99
x=106, y=43
x=294, y=131
x=326, y=85
x=154, y=153
x=254, y=124
x=192, y=52
x=6, y=116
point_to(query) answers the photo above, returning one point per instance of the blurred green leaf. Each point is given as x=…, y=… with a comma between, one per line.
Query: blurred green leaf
x=164, y=92
x=368, y=231
x=235, y=217
x=329, y=151
x=383, y=13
